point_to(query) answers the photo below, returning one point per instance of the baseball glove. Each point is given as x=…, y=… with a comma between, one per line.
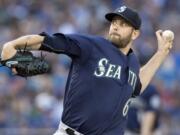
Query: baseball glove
x=26, y=64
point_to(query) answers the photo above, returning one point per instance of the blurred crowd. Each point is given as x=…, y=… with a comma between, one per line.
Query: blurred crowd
x=37, y=102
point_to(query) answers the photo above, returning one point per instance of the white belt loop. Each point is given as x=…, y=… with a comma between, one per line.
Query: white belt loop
x=64, y=127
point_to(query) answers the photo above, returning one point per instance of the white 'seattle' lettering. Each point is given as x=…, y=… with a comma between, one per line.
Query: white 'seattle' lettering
x=132, y=78
x=117, y=73
x=101, y=67
x=108, y=70
x=105, y=69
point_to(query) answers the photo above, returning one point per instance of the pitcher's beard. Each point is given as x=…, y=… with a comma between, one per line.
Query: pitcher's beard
x=118, y=41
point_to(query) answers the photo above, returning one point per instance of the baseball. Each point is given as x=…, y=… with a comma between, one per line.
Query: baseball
x=168, y=35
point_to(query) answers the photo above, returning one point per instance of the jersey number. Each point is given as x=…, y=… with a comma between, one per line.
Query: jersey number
x=126, y=107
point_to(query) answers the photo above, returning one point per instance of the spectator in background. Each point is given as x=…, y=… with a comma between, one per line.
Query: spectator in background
x=143, y=114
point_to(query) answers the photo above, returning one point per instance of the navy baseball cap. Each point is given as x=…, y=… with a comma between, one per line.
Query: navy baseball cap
x=126, y=13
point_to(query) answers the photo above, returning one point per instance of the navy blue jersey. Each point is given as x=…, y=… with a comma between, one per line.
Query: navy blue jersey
x=148, y=101
x=100, y=82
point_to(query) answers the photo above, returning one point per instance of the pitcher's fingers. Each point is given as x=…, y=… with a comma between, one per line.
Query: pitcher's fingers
x=14, y=71
x=159, y=33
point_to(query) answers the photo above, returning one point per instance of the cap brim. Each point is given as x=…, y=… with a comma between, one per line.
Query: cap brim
x=110, y=16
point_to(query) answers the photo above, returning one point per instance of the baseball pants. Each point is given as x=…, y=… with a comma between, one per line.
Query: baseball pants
x=66, y=130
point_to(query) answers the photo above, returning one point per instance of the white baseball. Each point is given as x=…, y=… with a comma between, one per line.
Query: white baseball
x=168, y=35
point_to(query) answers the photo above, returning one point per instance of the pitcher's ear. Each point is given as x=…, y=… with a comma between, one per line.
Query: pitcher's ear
x=135, y=34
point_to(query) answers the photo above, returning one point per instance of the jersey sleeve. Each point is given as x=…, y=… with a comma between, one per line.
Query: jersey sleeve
x=71, y=45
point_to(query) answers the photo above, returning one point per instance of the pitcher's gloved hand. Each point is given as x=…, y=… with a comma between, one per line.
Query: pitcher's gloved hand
x=26, y=64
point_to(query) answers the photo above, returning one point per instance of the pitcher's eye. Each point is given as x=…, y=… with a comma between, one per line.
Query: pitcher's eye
x=114, y=22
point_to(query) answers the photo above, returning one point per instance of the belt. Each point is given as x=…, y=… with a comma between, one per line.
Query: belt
x=69, y=130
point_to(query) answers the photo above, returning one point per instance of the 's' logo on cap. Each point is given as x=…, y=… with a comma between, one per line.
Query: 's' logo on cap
x=122, y=9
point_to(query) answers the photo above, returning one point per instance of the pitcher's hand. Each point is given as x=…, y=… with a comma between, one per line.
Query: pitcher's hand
x=164, y=45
